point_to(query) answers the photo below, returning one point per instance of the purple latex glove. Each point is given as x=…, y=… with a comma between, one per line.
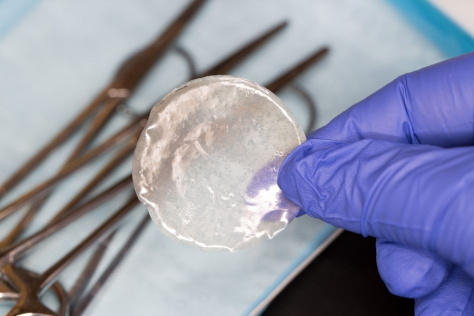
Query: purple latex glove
x=399, y=166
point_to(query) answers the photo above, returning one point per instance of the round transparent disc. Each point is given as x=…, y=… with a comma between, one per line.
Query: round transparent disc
x=206, y=164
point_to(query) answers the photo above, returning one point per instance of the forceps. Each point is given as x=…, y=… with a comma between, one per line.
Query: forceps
x=13, y=273
x=32, y=286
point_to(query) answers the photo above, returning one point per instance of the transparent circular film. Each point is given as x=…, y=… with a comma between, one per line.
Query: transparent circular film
x=207, y=161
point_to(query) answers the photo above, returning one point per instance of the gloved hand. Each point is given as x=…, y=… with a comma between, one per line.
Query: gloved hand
x=399, y=166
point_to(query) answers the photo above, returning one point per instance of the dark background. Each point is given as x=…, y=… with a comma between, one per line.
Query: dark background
x=343, y=280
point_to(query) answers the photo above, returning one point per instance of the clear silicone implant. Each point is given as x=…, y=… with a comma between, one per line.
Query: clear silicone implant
x=206, y=163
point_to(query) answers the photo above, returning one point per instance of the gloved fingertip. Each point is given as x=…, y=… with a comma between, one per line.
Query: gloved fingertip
x=293, y=176
x=408, y=271
x=454, y=297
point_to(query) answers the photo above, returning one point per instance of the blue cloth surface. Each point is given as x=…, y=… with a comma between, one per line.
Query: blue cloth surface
x=57, y=54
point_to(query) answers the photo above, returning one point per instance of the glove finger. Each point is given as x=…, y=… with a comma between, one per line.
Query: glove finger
x=414, y=195
x=434, y=105
x=407, y=271
x=454, y=297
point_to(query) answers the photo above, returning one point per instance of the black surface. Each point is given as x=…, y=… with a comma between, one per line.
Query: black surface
x=343, y=280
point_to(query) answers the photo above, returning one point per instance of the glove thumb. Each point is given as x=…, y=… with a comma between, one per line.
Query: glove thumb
x=417, y=195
